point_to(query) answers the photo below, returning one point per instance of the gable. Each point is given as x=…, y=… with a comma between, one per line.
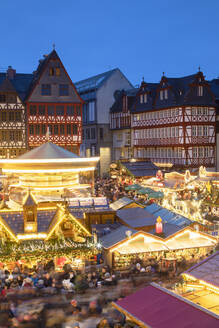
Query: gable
x=52, y=72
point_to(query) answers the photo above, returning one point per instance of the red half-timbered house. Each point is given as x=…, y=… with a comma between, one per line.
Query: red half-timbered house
x=53, y=103
x=174, y=122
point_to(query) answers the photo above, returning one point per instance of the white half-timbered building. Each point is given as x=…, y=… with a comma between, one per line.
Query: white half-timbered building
x=12, y=115
x=173, y=122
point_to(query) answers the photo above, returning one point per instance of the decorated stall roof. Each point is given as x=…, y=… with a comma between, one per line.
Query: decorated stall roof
x=120, y=203
x=15, y=220
x=136, y=217
x=141, y=169
x=167, y=215
x=142, y=242
x=157, y=307
x=167, y=229
x=116, y=236
x=207, y=270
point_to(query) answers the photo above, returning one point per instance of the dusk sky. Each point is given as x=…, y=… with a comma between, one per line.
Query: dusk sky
x=141, y=37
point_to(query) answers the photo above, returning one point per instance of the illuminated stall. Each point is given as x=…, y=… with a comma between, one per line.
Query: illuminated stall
x=124, y=245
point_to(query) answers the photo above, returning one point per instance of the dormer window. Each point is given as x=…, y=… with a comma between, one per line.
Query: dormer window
x=141, y=99
x=166, y=94
x=125, y=104
x=200, y=90
x=51, y=71
x=161, y=95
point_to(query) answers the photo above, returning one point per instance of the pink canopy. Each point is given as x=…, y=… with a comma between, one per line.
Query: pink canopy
x=156, y=307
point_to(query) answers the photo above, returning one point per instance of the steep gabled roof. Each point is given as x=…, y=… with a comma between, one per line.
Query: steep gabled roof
x=93, y=82
x=40, y=69
x=6, y=86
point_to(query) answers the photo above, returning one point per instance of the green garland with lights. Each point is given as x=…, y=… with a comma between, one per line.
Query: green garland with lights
x=38, y=249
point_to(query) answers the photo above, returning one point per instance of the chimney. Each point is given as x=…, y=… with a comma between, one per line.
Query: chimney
x=11, y=73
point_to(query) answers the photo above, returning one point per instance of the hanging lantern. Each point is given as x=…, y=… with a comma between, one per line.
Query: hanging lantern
x=159, y=225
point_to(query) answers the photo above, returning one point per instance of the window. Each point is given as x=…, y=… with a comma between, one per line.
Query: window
x=42, y=110
x=46, y=89
x=93, y=133
x=50, y=128
x=161, y=94
x=199, y=130
x=68, y=128
x=2, y=98
x=4, y=135
x=62, y=129
x=11, y=98
x=63, y=89
x=56, y=129
x=166, y=94
x=193, y=131
x=200, y=91
x=37, y=129
x=31, y=130
x=12, y=135
x=88, y=134
x=18, y=116
x=51, y=110
x=43, y=129
x=195, y=152
x=91, y=111
x=206, y=152
x=11, y=116
x=70, y=110
x=145, y=98
x=51, y=71
x=205, y=131
x=200, y=152
x=60, y=110
x=141, y=99
x=32, y=110
x=101, y=133
x=58, y=71
x=194, y=111
x=75, y=129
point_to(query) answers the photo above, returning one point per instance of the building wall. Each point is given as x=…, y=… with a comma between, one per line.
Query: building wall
x=121, y=144
x=105, y=95
x=54, y=81
x=12, y=128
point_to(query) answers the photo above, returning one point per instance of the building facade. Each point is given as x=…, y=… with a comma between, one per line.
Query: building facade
x=174, y=122
x=32, y=104
x=12, y=115
x=98, y=94
x=120, y=124
x=53, y=103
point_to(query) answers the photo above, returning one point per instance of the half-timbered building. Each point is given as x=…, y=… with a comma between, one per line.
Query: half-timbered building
x=12, y=113
x=175, y=122
x=53, y=103
x=120, y=123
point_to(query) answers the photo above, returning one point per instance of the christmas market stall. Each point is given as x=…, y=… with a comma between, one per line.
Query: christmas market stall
x=123, y=246
x=201, y=283
x=33, y=235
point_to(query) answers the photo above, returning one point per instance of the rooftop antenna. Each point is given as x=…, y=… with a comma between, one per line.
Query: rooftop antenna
x=54, y=46
x=199, y=68
x=142, y=78
x=163, y=73
x=48, y=134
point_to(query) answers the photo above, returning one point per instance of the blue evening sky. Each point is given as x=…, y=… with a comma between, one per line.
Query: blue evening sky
x=141, y=37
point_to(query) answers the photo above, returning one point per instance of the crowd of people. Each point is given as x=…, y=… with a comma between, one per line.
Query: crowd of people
x=43, y=282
